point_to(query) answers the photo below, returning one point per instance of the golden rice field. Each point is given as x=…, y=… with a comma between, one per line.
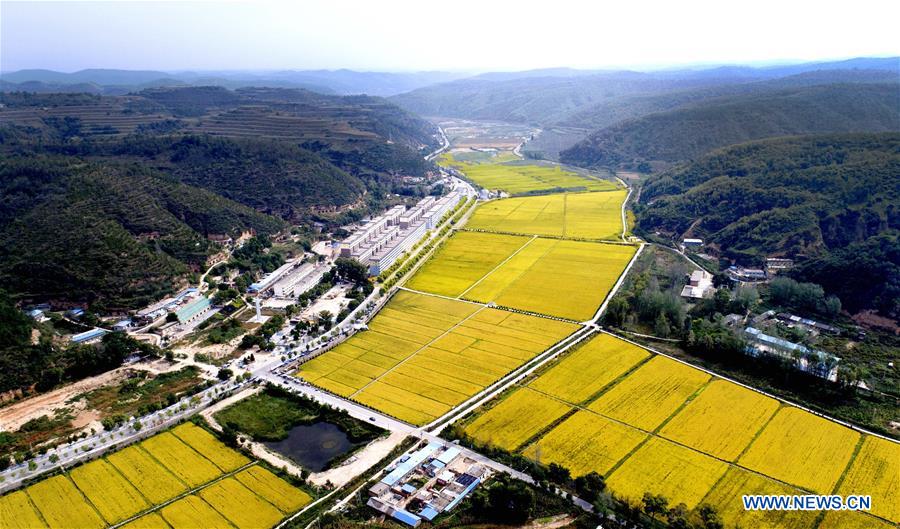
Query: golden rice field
x=588, y=369
x=726, y=497
x=113, y=489
x=876, y=472
x=661, y=467
x=423, y=355
x=571, y=215
x=464, y=259
x=17, y=512
x=516, y=419
x=522, y=177
x=210, y=447
x=147, y=475
x=586, y=442
x=108, y=491
x=241, y=506
x=801, y=449
x=722, y=420
x=649, y=395
x=779, y=449
x=274, y=489
x=567, y=279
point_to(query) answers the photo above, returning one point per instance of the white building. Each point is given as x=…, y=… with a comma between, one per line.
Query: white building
x=699, y=286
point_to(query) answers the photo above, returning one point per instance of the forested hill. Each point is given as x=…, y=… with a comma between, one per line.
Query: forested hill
x=689, y=131
x=830, y=201
x=117, y=235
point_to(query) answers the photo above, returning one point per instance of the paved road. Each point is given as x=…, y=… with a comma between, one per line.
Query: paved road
x=104, y=441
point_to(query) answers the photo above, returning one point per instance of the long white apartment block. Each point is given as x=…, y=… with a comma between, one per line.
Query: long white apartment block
x=298, y=281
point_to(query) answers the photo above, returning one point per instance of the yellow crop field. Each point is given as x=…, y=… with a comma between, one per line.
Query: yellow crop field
x=726, y=497
x=801, y=449
x=595, y=216
x=649, y=395
x=586, y=442
x=661, y=467
x=853, y=520
x=464, y=259
x=568, y=279
x=875, y=472
x=449, y=352
x=241, y=506
x=540, y=215
x=211, y=448
x=111, y=494
x=592, y=366
x=722, y=420
x=17, y=512
x=282, y=495
x=180, y=459
x=516, y=419
x=148, y=521
x=62, y=506
x=152, y=479
x=522, y=177
x=191, y=512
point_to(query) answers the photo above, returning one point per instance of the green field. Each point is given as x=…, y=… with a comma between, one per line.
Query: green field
x=134, y=481
x=567, y=279
x=515, y=177
x=596, y=216
x=423, y=355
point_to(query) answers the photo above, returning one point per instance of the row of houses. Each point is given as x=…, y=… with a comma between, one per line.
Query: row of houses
x=814, y=362
x=380, y=241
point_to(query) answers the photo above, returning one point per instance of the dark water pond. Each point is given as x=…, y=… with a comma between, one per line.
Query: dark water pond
x=312, y=446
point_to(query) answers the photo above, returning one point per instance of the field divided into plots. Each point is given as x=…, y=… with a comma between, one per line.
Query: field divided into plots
x=561, y=278
x=112, y=489
x=515, y=176
x=595, y=216
x=422, y=355
x=650, y=424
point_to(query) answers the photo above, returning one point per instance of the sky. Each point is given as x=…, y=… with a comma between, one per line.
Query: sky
x=455, y=35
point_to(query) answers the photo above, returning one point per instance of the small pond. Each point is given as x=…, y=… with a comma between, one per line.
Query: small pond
x=312, y=446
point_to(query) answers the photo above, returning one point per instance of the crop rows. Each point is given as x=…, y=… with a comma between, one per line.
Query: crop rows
x=524, y=178
x=111, y=490
x=596, y=216
x=663, y=427
x=423, y=355
x=566, y=279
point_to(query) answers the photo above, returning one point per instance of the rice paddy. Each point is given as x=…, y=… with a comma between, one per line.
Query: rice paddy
x=566, y=279
x=803, y=450
x=514, y=176
x=595, y=216
x=423, y=355
x=722, y=420
x=663, y=427
x=129, y=484
x=660, y=467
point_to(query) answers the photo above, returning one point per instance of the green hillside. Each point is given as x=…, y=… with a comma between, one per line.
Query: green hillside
x=690, y=131
x=115, y=234
x=832, y=202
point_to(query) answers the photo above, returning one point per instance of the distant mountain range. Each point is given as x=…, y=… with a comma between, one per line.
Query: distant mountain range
x=568, y=97
x=693, y=129
x=120, y=82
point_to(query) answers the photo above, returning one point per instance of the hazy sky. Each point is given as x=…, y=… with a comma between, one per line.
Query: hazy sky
x=430, y=35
